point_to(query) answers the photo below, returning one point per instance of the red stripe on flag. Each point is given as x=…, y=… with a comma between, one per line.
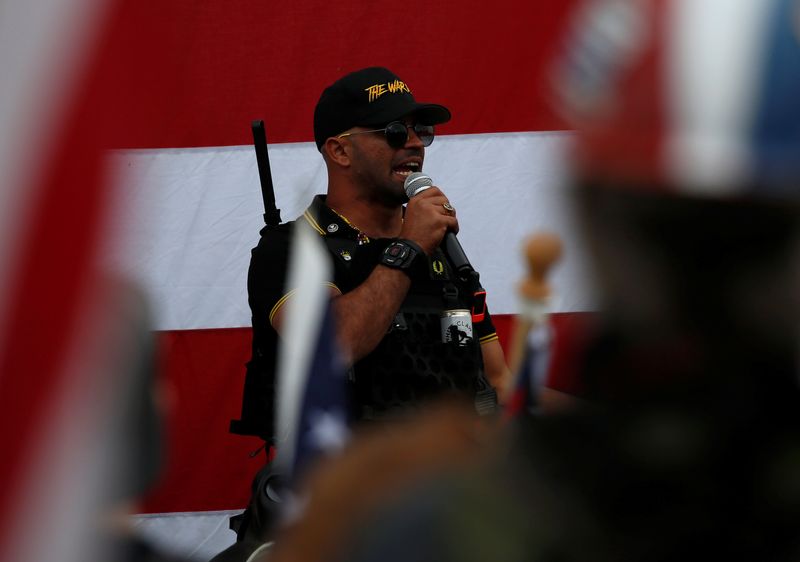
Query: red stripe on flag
x=271, y=60
x=206, y=468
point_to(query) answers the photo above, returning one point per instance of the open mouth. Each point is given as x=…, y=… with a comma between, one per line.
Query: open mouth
x=407, y=168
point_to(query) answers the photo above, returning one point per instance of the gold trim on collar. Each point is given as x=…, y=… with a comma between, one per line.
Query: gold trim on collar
x=313, y=222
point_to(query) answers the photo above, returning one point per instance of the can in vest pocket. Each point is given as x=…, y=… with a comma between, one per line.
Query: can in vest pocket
x=457, y=326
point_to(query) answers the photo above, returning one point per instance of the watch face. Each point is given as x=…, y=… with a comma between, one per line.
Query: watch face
x=397, y=250
x=397, y=254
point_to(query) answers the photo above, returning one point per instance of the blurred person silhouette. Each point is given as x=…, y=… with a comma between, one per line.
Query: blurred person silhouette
x=686, y=173
x=132, y=439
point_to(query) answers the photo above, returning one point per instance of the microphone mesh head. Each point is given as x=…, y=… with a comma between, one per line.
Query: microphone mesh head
x=417, y=182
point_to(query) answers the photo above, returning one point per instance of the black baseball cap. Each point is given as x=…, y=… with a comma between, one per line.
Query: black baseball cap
x=371, y=97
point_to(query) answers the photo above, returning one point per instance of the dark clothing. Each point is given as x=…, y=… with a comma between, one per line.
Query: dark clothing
x=697, y=468
x=409, y=366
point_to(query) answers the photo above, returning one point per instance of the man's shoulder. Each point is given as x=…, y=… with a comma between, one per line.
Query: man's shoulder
x=282, y=233
x=274, y=240
x=276, y=231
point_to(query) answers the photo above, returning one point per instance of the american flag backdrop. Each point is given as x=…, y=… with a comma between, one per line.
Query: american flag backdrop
x=126, y=149
x=130, y=197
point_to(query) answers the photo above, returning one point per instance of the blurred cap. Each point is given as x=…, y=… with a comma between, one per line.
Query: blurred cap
x=699, y=97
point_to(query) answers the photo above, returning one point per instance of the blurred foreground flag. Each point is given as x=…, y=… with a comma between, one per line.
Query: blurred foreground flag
x=693, y=96
x=77, y=78
x=313, y=412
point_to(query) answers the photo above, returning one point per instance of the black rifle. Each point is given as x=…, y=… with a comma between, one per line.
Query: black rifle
x=272, y=215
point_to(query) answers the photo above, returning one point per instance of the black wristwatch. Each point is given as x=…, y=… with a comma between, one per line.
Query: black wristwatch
x=402, y=254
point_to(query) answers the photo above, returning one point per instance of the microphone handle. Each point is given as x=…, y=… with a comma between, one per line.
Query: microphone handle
x=455, y=253
x=415, y=184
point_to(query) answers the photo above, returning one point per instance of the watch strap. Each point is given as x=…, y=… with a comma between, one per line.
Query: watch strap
x=401, y=254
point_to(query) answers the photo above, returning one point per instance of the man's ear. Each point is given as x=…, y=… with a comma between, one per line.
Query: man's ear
x=335, y=151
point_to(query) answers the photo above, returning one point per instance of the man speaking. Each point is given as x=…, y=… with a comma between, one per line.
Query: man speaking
x=409, y=309
x=413, y=325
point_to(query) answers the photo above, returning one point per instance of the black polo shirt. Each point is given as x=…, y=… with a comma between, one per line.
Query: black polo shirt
x=354, y=255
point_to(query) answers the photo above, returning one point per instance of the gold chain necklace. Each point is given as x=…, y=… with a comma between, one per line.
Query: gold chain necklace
x=360, y=236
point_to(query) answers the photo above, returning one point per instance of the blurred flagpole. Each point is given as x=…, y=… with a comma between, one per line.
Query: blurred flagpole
x=529, y=354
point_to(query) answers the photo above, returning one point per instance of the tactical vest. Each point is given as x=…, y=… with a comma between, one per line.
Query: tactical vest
x=413, y=364
x=409, y=367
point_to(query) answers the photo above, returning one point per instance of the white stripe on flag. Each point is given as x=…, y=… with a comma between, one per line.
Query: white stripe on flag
x=199, y=212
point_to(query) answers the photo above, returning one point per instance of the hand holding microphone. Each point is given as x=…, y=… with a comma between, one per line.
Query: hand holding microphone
x=425, y=198
x=429, y=215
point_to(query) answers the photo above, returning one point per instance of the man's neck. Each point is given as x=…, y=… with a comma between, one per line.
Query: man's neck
x=372, y=218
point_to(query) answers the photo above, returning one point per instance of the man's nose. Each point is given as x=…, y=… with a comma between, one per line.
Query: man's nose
x=413, y=140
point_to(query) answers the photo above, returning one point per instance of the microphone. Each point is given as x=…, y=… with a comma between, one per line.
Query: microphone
x=415, y=184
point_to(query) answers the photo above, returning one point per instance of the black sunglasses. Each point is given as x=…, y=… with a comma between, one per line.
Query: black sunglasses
x=397, y=133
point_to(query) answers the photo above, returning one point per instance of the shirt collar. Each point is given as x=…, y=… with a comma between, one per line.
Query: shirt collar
x=328, y=222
